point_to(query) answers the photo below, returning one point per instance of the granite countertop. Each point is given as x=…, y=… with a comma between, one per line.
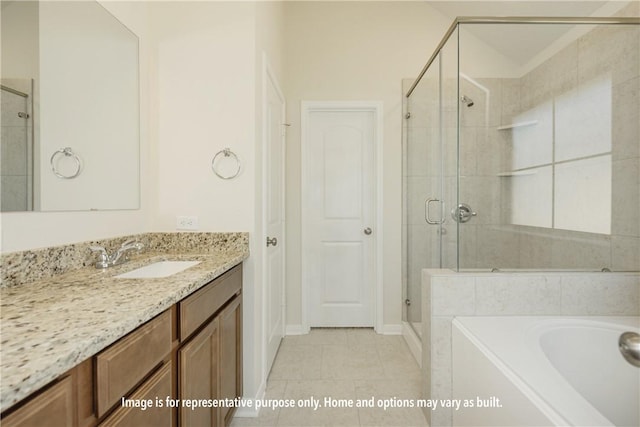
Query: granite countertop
x=50, y=326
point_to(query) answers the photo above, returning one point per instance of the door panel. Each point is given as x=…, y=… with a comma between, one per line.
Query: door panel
x=338, y=207
x=274, y=217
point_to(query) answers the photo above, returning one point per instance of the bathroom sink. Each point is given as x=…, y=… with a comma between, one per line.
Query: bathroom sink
x=158, y=270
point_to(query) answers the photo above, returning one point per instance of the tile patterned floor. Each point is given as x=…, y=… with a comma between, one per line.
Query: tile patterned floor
x=343, y=364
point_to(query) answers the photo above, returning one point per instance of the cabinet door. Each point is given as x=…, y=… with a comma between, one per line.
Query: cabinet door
x=230, y=355
x=125, y=363
x=158, y=386
x=55, y=403
x=198, y=375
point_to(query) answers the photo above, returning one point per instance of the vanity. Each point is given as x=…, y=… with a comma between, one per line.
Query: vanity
x=88, y=348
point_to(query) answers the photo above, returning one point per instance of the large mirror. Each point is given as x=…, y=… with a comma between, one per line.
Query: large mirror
x=70, y=108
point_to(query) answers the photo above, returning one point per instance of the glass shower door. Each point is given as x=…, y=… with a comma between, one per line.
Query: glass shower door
x=423, y=184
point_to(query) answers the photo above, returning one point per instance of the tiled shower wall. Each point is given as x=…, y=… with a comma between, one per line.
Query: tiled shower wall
x=524, y=218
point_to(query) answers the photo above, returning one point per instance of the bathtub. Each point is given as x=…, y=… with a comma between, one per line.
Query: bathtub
x=544, y=371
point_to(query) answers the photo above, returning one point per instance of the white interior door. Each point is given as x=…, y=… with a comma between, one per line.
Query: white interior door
x=338, y=215
x=274, y=216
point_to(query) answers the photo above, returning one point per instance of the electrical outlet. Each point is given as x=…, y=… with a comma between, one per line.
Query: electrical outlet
x=187, y=222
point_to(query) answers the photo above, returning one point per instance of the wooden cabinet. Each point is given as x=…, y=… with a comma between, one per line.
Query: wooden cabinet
x=191, y=351
x=198, y=373
x=54, y=403
x=124, y=364
x=197, y=308
x=158, y=386
x=230, y=356
x=210, y=363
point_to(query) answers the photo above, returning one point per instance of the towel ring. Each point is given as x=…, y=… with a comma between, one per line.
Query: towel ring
x=227, y=153
x=68, y=152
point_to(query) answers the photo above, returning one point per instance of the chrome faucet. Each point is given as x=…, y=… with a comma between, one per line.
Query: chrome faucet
x=119, y=256
x=629, y=345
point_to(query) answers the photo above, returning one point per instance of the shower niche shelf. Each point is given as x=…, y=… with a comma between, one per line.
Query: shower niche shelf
x=518, y=125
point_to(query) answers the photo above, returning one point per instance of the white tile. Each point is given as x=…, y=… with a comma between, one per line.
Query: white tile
x=533, y=144
x=468, y=147
x=397, y=362
x=423, y=152
x=510, y=100
x=494, y=151
x=574, y=250
x=582, y=196
x=467, y=243
x=531, y=197
x=357, y=337
x=610, y=49
x=556, y=75
x=342, y=362
x=517, y=294
x=318, y=336
x=626, y=197
x=482, y=194
x=298, y=362
x=441, y=355
x=382, y=366
x=625, y=253
x=453, y=296
x=601, y=294
x=625, y=131
x=497, y=247
x=582, y=120
x=535, y=248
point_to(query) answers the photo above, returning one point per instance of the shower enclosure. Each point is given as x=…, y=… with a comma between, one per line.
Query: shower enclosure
x=521, y=149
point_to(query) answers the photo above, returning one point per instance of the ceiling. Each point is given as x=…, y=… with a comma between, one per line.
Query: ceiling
x=510, y=40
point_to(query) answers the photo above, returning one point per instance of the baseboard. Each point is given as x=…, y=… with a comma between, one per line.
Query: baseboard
x=413, y=341
x=251, y=412
x=391, y=330
x=295, y=330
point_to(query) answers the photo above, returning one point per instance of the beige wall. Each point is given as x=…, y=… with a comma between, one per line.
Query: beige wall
x=205, y=102
x=209, y=61
x=354, y=51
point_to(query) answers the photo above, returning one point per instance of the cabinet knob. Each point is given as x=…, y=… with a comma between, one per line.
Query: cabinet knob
x=367, y=231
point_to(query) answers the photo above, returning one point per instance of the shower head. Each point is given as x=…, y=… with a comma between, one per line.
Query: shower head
x=466, y=100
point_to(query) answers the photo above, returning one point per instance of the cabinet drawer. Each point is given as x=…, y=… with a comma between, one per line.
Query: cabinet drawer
x=197, y=308
x=55, y=403
x=123, y=365
x=158, y=386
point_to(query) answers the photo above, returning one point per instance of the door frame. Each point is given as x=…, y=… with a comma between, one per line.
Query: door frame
x=308, y=107
x=269, y=77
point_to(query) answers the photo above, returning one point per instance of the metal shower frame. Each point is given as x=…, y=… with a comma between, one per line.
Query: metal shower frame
x=517, y=20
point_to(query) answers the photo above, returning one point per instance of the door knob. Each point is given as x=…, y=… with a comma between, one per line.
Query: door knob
x=272, y=241
x=367, y=231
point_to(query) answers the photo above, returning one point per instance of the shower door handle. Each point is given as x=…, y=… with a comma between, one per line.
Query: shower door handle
x=427, y=216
